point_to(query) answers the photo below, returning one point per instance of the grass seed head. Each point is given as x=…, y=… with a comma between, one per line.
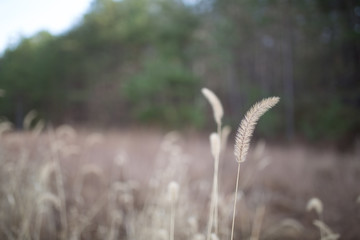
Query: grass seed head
x=173, y=191
x=247, y=126
x=29, y=118
x=5, y=126
x=215, y=104
x=315, y=204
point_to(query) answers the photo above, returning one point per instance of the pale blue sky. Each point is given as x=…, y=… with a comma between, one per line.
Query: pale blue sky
x=27, y=17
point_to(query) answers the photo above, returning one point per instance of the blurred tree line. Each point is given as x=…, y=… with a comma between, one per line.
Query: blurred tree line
x=145, y=61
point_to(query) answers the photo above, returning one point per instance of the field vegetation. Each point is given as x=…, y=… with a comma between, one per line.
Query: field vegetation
x=106, y=132
x=66, y=183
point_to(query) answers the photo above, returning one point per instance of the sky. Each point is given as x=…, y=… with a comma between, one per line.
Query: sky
x=27, y=17
x=24, y=18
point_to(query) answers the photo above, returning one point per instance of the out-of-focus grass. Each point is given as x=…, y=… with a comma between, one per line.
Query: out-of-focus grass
x=114, y=186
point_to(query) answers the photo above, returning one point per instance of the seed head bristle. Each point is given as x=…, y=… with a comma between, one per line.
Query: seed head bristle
x=247, y=126
x=215, y=104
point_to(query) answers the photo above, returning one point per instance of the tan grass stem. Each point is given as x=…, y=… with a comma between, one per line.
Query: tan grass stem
x=218, y=114
x=257, y=224
x=173, y=194
x=235, y=199
x=243, y=137
x=60, y=188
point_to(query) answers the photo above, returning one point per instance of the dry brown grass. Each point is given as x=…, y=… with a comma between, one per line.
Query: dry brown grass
x=124, y=176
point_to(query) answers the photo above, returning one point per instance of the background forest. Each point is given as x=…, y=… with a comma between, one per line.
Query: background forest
x=144, y=62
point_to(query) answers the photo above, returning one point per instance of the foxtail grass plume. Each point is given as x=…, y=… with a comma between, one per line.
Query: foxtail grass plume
x=247, y=126
x=215, y=104
x=315, y=204
x=29, y=118
x=5, y=126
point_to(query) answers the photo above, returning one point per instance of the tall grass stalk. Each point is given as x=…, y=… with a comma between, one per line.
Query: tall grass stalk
x=173, y=191
x=243, y=137
x=218, y=114
x=258, y=220
x=60, y=188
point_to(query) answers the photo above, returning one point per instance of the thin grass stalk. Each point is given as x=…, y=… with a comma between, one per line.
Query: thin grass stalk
x=213, y=215
x=243, y=137
x=173, y=194
x=216, y=193
x=218, y=112
x=60, y=189
x=172, y=220
x=38, y=224
x=235, y=199
x=258, y=220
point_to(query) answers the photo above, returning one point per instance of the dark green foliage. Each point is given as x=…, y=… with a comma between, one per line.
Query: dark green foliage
x=165, y=92
x=146, y=60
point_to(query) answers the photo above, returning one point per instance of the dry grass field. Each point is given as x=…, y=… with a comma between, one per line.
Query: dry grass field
x=83, y=184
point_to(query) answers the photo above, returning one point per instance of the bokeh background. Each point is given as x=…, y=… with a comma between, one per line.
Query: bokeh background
x=143, y=62
x=89, y=90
